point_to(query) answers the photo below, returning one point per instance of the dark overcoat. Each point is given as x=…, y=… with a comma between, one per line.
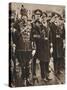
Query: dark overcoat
x=57, y=41
x=42, y=45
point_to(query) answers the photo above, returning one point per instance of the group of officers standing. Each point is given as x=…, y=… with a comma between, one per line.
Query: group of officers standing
x=34, y=39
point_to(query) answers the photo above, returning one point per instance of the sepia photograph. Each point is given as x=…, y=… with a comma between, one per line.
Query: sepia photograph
x=36, y=44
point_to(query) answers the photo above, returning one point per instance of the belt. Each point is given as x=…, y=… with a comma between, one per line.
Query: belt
x=57, y=36
x=36, y=36
x=46, y=38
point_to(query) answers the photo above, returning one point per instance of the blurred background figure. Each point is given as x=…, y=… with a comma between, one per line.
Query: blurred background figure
x=23, y=11
x=46, y=48
x=57, y=41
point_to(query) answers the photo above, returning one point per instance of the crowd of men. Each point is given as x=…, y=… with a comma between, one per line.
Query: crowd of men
x=40, y=37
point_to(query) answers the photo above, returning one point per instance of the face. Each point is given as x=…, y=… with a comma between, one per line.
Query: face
x=49, y=16
x=33, y=18
x=37, y=17
x=44, y=17
x=57, y=18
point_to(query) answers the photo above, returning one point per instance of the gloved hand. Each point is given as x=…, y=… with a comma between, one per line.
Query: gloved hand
x=33, y=52
x=51, y=50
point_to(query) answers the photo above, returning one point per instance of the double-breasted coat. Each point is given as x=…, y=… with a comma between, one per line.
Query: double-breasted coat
x=40, y=35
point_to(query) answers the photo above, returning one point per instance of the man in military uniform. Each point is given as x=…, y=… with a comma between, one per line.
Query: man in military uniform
x=37, y=36
x=57, y=42
x=46, y=48
x=23, y=49
x=63, y=37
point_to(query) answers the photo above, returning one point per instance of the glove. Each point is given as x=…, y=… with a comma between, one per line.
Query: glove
x=51, y=50
x=33, y=52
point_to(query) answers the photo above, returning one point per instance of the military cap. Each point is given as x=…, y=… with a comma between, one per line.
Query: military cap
x=55, y=13
x=44, y=13
x=38, y=12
